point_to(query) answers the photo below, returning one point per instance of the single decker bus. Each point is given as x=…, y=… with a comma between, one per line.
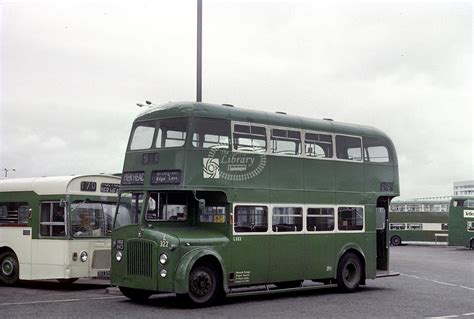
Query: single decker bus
x=217, y=197
x=56, y=227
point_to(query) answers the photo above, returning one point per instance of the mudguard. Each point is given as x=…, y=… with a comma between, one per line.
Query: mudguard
x=344, y=249
x=186, y=264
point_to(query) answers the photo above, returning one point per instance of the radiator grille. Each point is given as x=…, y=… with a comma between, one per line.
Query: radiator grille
x=101, y=259
x=139, y=258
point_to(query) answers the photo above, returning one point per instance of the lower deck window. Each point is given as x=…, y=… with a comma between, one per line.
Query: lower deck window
x=213, y=214
x=320, y=219
x=167, y=207
x=52, y=222
x=287, y=219
x=250, y=219
x=397, y=226
x=14, y=213
x=470, y=226
x=350, y=218
x=415, y=226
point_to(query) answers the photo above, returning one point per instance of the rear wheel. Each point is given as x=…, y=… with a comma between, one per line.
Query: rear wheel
x=349, y=273
x=203, y=289
x=395, y=240
x=137, y=295
x=9, y=268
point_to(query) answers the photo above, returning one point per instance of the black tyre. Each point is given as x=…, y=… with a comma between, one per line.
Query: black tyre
x=289, y=284
x=471, y=244
x=67, y=281
x=349, y=273
x=9, y=269
x=204, y=287
x=136, y=295
x=395, y=240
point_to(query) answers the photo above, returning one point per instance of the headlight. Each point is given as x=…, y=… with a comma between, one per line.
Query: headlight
x=163, y=259
x=163, y=273
x=83, y=256
x=118, y=256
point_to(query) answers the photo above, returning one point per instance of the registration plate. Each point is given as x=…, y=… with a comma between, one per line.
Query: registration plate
x=103, y=274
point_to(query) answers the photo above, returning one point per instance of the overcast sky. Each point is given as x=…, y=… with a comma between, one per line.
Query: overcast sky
x=72, y=71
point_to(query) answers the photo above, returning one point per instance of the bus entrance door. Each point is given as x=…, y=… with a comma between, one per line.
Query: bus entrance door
x=381, y=220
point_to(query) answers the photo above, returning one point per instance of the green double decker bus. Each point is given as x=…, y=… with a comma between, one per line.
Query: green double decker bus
x=420, y=220
x=461, y=221
x=216, y=197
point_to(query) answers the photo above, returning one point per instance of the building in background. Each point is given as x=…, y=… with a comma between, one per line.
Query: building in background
x=463, y=188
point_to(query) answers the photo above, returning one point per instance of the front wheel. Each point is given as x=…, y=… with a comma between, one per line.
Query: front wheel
x=396, y=240
x=203, y=287
x=136, y=295
x=349, y=273
x=9, y=269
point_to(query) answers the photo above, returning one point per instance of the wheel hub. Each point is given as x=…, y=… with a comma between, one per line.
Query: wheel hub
x=201, y=284
x=7, y=267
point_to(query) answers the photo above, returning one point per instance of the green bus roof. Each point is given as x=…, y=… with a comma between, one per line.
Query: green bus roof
x=197, y=109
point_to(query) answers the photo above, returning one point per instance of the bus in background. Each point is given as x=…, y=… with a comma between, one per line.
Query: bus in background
x=421, y=220
x=461, y=221
x=56, y=227
x=215, y=197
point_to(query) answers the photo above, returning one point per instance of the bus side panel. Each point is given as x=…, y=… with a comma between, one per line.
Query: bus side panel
x=19, y=240
x=458, y=232
x=46, y=265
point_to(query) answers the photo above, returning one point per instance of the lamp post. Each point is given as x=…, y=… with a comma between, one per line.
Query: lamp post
x=8, y=170
x=199, y=53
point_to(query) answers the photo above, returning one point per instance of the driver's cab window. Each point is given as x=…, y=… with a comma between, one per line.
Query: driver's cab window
x=167, y=207
x=52, y=220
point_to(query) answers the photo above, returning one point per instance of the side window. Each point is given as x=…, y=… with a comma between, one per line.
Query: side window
x=320, y=219
x=171, y=133
x=15, y=213
x=470, y=226
x=142, y=136
x=350, y=218
x=250, y=138
x=52, y=221
x=349, y=148
x=414, y=226
x=212, y=214
x=394, y=226
x=287, y=219
x=286, y=142
x=250, y=219
x=211, y=133
x=375, y=150
x=318, y=145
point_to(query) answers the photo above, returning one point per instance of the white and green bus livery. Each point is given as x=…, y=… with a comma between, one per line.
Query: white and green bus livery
x=56, y=227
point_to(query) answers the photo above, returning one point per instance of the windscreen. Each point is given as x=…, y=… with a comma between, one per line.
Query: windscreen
x=91, y=219
x=128, y=210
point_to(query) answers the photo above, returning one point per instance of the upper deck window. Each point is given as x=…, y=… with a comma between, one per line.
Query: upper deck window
x=143, y=136
x=171, y=133
x=286, y=142
x=349, y=148
x=318, y=145
x=211, y=133
x=250, y=138
x=375, y=150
